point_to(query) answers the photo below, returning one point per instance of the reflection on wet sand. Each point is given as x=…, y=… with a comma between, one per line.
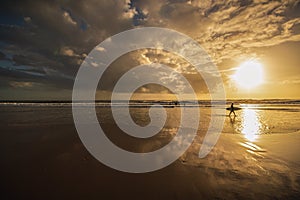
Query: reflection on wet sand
x=248, y=123
x=251, y=125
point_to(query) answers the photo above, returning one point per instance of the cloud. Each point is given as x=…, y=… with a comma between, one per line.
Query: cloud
x=68, y=18
x=62, y=28
x=46, y=41
x=16, y=84
x=2, y=55
x=295, y=81
x=66, y=51
x=227, y=29
x=27, y=19
x=98, y=48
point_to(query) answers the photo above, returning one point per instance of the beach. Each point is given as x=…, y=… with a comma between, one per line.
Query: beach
x=256, y=156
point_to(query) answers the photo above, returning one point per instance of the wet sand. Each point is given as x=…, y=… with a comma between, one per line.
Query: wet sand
x=43, y=157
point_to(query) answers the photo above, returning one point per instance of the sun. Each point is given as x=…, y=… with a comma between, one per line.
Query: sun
x=249, y=74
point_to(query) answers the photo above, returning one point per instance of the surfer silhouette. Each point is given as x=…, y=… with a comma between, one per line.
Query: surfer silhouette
x=232, y=110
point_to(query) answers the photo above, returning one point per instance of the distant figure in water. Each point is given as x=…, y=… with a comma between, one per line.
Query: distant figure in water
x=232, y=110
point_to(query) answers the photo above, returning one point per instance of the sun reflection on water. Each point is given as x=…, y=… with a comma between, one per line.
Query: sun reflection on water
x=250, y=125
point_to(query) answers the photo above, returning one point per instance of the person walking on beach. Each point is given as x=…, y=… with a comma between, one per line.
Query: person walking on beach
x=232, y=110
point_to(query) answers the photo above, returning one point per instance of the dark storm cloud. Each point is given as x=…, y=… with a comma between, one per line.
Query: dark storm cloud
x=54, y=37
x=2, y=55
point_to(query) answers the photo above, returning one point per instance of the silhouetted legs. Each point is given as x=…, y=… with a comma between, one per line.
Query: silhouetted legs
x=232, y=111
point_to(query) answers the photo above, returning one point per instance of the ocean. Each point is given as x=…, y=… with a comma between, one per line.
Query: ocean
x=255, y=157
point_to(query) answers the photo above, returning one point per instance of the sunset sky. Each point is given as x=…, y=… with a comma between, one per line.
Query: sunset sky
x=43, y=43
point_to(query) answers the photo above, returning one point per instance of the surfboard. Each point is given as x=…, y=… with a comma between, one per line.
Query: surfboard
x=234, y=108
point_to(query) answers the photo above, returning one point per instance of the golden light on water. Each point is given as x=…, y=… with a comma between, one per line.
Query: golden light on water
x=251, y=125
x=249, y=74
